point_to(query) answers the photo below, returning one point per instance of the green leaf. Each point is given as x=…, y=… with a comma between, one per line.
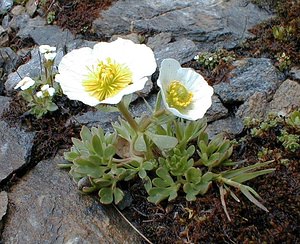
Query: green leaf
x=142, y=173
x=51, y=106
x=106, y=108
x=248, y=176
x=118, y=195
x=164, y=174
x=163, y=142
x=245, y=190
x=106, y=195
x=85, y=134
x=193, y=175
x=109, y=151
x=97, y=145
x=140, y=144
x=70, y=156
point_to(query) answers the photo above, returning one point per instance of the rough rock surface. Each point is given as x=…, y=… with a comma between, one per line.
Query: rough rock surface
x=15, y=147
x=43, y=34
x=206, y=22
x=286, y=97
x=217, y=110
x=3, y=206
x=5, y=6
x=46, y=208
x=8, y=59
x=230, y=126
x=250, y=75
x=183, y=51
x=4, y=103
x=295, y=73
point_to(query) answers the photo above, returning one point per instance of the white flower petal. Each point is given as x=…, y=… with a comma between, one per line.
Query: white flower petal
x=44, y=87
x=51, y=91
x=39, y=94
x=193, y=82
x=50, y=56
x=46, y=49
x=77, y=65
x=25, y=83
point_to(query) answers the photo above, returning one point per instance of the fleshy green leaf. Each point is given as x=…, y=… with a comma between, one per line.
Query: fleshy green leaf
x=163, y=142
x=106, y=195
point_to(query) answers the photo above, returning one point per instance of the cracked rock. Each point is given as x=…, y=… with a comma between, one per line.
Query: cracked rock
x=3, y=206
x=249, y=76
x=46, y=207
x=15, y=148
x=208, y=22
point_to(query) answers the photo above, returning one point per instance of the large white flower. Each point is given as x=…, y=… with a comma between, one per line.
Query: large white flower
x=105, y=73
x=25, y=83
x=185, y=93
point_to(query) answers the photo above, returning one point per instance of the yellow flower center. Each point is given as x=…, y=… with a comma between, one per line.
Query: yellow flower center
x=107, y=79
x=178, y=96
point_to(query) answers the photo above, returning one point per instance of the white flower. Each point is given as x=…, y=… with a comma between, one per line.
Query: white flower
x=46, y=49
x=105, y=73
x=185, y=93
x=25, y=83
x=51, y=91
x=39, y=94
x=50, y=56
x=196, y=57
x=44, y=87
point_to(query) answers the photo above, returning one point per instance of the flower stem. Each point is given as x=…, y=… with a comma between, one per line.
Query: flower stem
x=124, y=111
x=149, y=120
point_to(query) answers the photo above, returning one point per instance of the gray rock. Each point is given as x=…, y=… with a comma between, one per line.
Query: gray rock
x=45, y=34
x=4, y=39
x=31, y=7
x=15, y=148
x=20, y=22
x=254, y=107
x=295, y=72
x=79, y=43
x=216, y=111
x=230, y=126
x=31, y=69
x=8, y=59
x=132, y=37
x=5, y=6
x=207, y=22
x=3, y=206
x=139, y=108
x=4, y=104
x=249, y=76
x=96, y=118
x=5, y=21
x=182, y=50
x=18, y=10
x=286, y=98
x=46, y=207
x=159, y=40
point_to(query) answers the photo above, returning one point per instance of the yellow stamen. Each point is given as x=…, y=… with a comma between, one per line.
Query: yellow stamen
x=107, y=79
x=178, y=96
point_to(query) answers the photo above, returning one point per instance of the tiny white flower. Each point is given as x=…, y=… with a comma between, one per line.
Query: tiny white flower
x=210, y=58
x=44, y=87
x=50, y=56
x=51, y=91
x=46, y=49
x=39, y=94
x=196, y=57
x=105, y=73
x=25, y=83
x=185, y=93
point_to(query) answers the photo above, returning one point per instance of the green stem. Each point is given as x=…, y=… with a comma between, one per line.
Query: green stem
x=124, y=111
x=149, y=120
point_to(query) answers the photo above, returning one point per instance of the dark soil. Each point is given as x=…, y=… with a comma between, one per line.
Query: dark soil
x=204, y=220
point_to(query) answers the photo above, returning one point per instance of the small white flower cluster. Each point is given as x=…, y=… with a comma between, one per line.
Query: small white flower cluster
x=44, y=90
x=48, y=52
x=25, y=83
